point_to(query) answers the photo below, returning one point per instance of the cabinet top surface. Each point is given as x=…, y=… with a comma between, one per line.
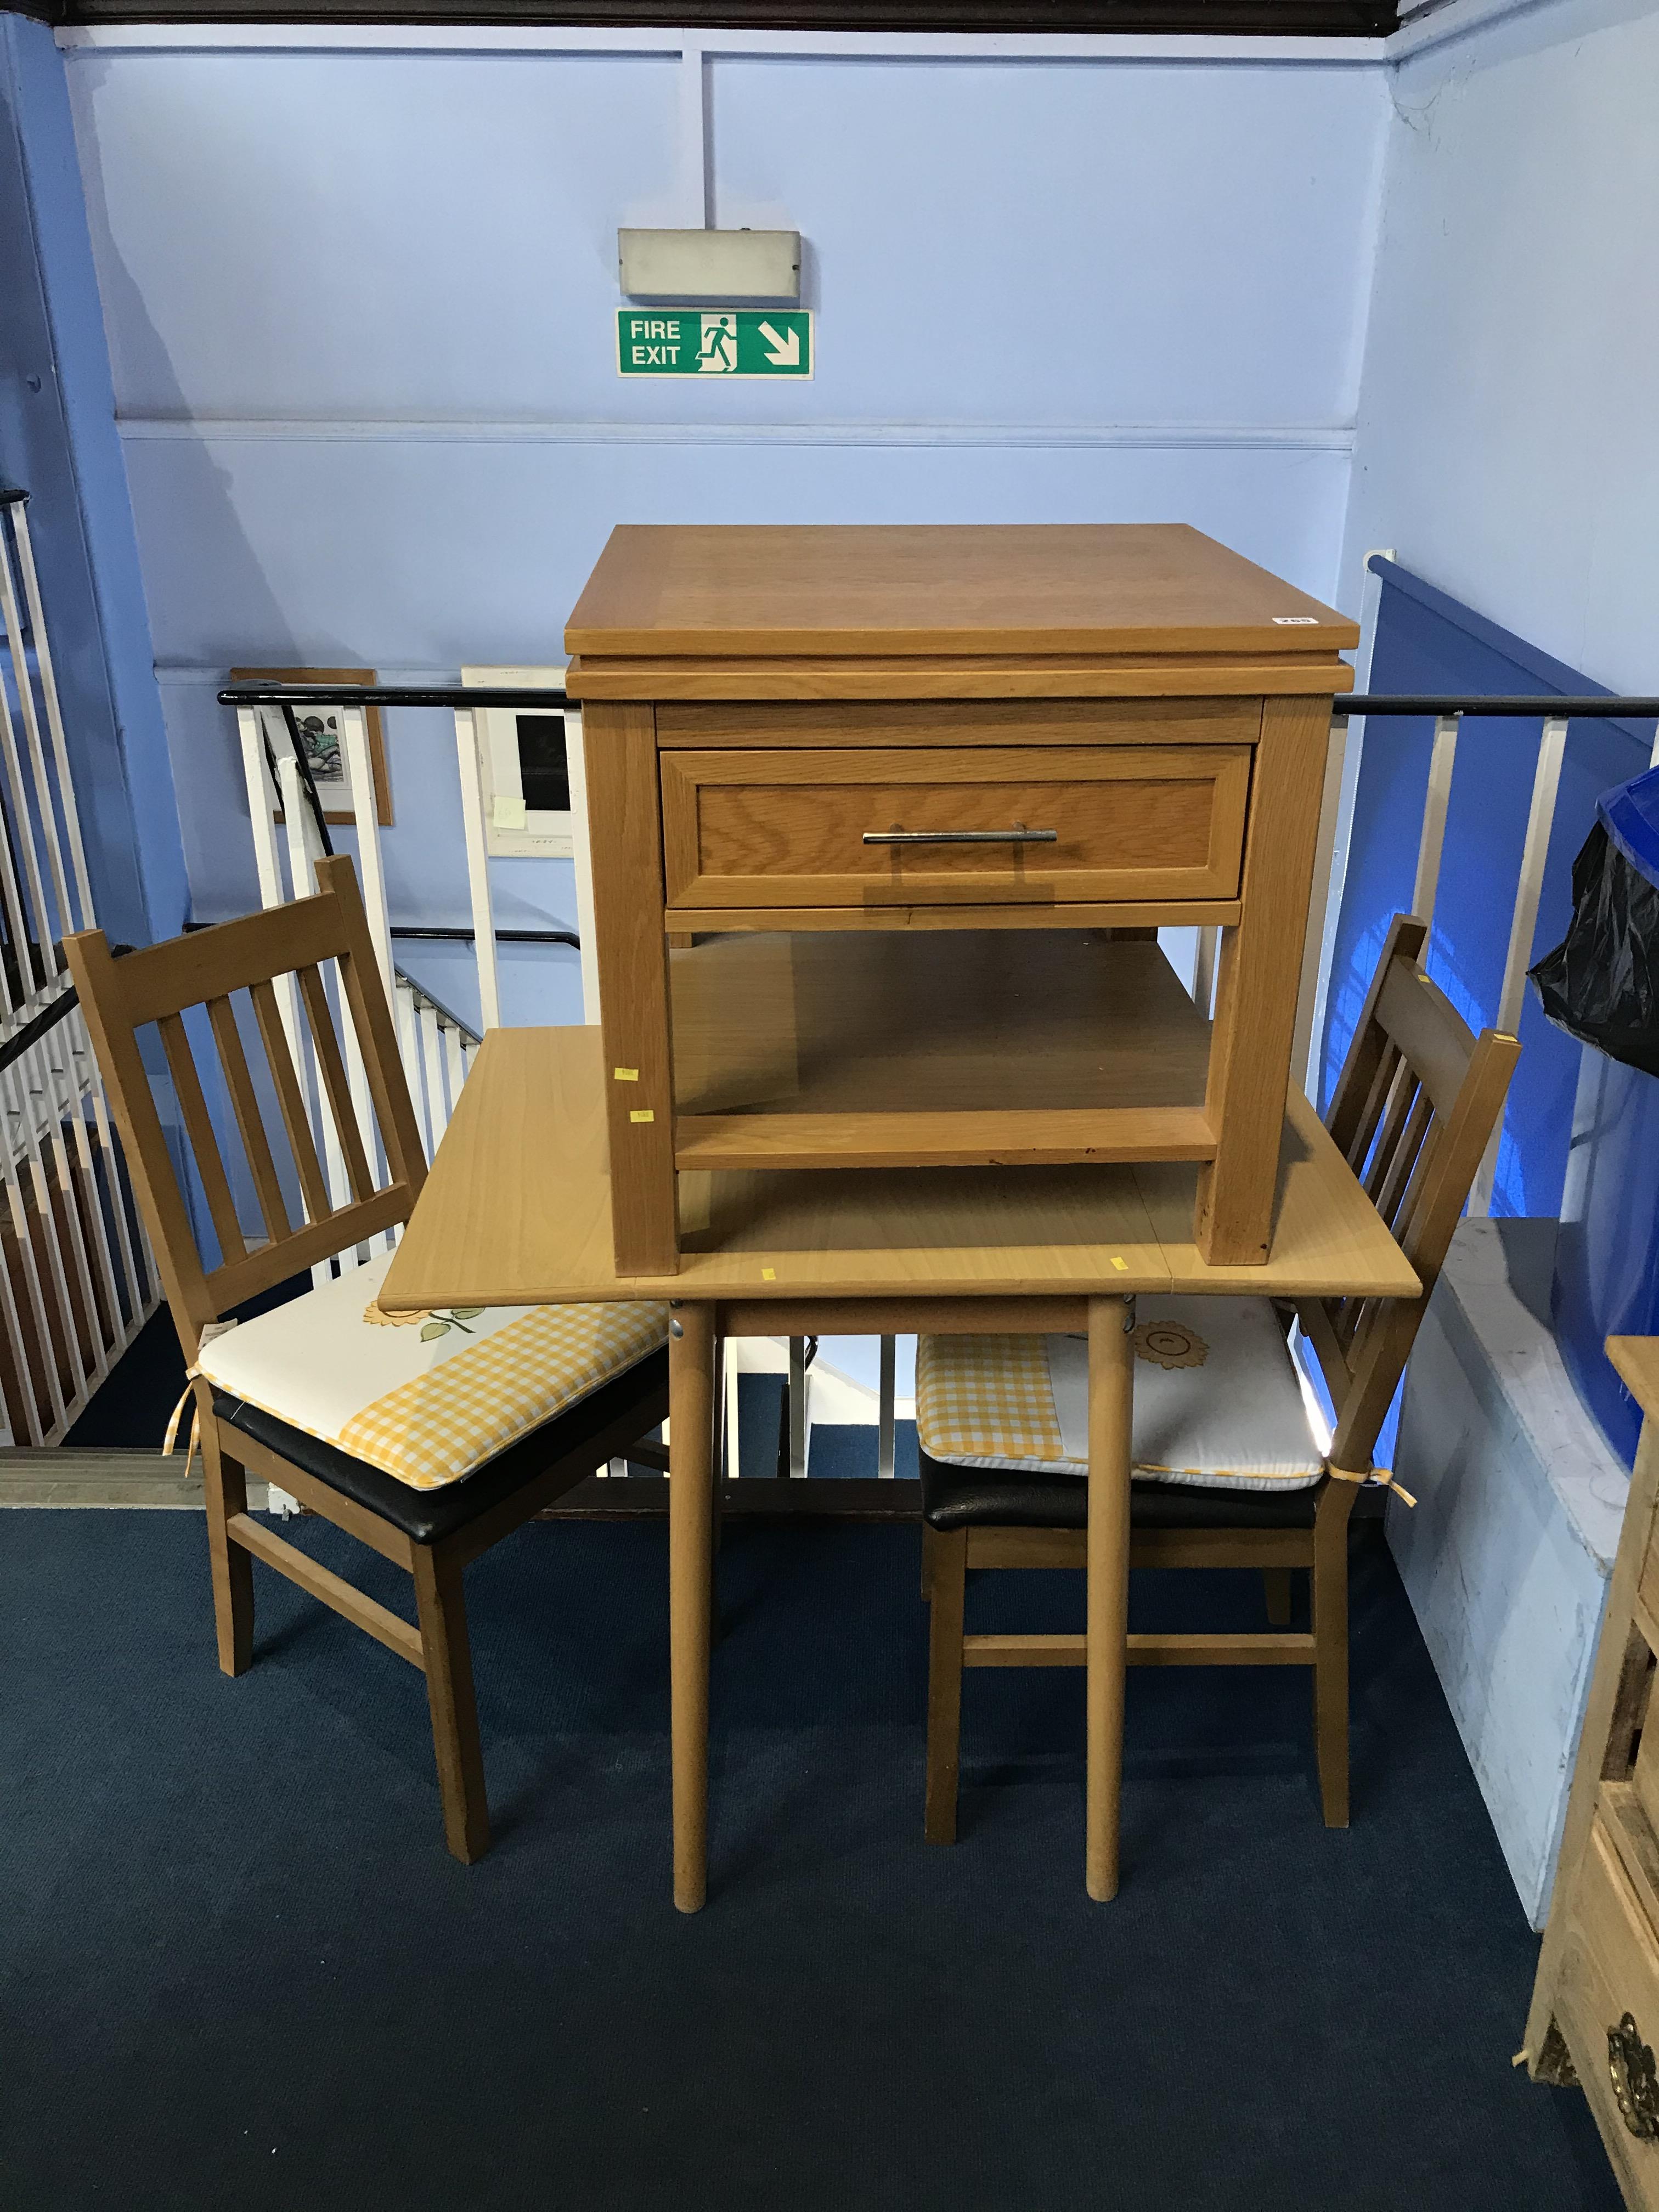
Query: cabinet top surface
x=940, y=588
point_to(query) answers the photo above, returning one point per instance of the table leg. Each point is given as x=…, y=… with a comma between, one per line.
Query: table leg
x=690, y=1506
x=1111, y=1396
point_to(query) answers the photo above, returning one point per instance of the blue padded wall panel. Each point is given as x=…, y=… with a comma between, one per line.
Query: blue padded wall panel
x=1426, y=641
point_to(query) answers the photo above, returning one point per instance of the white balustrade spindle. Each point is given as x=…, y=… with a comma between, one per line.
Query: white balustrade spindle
x=76, y=1278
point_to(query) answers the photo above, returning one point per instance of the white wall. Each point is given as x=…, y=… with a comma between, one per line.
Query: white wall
x=361, y=308
x=1508, y=435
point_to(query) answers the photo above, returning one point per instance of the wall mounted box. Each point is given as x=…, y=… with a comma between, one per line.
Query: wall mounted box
x=524, y=770
x=721, y=265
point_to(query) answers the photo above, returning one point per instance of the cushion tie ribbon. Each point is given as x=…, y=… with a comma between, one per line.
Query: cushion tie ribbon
x=170, y=1441
x=1373, y=1478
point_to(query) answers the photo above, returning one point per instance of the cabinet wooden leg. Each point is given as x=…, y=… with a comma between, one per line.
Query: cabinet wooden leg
x=1256, y=993
x=625, y=830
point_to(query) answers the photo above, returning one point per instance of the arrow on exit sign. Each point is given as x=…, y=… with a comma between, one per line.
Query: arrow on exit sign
x=715, y=341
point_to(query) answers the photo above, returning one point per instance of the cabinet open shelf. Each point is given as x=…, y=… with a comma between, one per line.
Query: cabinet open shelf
x=972, y=1048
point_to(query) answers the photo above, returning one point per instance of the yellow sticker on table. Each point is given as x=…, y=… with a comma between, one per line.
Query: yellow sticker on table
x=641, y=1114
x=626, y=1075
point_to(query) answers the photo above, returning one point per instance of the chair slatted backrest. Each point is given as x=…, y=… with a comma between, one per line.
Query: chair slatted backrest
x=275, y=962
x=1413, y=1112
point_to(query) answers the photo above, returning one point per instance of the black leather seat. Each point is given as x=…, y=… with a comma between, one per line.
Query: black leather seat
x=995, y=1498
x=427, y=1516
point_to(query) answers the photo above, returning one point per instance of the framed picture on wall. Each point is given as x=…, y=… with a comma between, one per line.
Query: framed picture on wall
x=321, y=734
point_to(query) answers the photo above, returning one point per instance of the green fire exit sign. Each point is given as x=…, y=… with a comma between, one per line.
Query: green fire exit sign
x=715, y=341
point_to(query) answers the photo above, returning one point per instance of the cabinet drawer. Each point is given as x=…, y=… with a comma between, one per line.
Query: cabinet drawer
x=1610, y=1983
x=1122, y=822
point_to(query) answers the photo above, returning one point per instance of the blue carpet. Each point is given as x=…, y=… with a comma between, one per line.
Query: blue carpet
x=239, y=1969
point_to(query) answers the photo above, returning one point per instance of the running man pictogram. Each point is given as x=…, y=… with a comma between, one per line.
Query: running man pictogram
x=717, y=355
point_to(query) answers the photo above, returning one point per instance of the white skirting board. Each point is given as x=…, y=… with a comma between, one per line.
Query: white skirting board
x=1507, y=1555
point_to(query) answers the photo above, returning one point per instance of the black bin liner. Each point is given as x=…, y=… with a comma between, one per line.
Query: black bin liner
x=1602, y=982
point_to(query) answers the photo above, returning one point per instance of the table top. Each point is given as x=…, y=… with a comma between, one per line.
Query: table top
x=828, y=589
x=517, y=1212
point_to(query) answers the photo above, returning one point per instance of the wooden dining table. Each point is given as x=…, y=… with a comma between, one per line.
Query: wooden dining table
x=517, y=1212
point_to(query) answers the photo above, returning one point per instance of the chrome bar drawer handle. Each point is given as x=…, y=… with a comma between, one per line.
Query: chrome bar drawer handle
x=1019, y=834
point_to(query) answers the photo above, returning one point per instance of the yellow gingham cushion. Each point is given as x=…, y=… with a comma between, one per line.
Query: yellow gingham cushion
x=427, y=1397
x=986, y=1401
x=1218, y=1403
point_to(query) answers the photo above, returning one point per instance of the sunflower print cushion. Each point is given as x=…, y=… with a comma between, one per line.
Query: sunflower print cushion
x=1218, y=1402
x=427, y=1397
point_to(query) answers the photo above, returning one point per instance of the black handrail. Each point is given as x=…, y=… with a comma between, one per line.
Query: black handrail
x=1508, y=707
x=1527, y=708
x=1516, y=708
x=441, y=936
x=391, y=694
x=469, y=936
x=37, y=1026
x=42, y=1024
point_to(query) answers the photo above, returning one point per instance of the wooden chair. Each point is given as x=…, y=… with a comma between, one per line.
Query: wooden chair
x=469, y=1423
x=1412, y=1114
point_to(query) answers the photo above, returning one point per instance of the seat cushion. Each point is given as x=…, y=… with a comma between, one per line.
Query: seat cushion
x=427, y=1398
x=995, y=1498
x=592, y=1430
x=1218, y=1403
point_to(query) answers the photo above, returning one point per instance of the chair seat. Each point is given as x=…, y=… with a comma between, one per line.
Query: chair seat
x=425, y=1399
x=427, y=1516
x=991, y=1498
x=1218, y=1402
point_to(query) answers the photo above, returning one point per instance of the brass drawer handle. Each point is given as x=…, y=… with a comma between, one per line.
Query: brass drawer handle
x=1019, y=834
x=1635, y=2087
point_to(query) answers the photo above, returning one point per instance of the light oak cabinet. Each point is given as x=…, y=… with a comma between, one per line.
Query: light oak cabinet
x=910, y=732
x=1594, y=2016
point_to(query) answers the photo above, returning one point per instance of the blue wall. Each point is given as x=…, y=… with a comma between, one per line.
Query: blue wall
x=361, y=313
x=59, y=440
